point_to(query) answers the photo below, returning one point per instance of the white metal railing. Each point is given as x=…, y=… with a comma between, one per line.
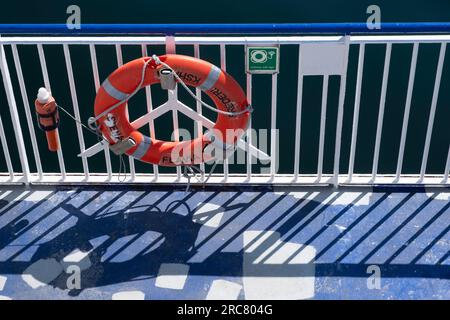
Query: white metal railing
x=228, y=175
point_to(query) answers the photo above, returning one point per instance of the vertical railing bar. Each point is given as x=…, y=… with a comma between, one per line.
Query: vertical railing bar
x=198, y=124
x=73, y=93
x=358, y=89
x=447, y=167
x=437, y=84
x=97, y=86
x=43, y=66
x=120, y=63
x=298, y=118
x=148, y=94
x=412, y=74
x=387, y=62
x=94, y=66
x=26, y=106
x=173, y=97
x=223, y=66
x=14, y=115
x=176, y=133
x=340, y=114
x=48, y=87
x=249, y=128
x=6, y=150
x=323, y=118
x=273, y=126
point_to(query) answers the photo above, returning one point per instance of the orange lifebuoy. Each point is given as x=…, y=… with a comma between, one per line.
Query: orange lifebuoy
x=226, y=93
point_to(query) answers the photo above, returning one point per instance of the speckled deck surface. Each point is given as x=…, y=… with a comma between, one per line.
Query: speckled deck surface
x=137, y=243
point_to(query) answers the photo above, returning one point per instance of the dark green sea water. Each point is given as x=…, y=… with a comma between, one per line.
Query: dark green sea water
x=135, y=11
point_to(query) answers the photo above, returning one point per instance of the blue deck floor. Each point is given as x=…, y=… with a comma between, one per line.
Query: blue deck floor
x=247, y=243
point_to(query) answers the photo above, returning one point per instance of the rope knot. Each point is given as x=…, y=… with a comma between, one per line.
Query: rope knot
x=156, y=59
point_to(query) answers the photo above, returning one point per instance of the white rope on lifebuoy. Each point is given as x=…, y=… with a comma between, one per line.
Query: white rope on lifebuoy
x=159, y=62
x=156, y=59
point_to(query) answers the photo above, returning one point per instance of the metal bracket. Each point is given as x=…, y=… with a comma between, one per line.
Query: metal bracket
x=122, y=146
x=167, y=79
x=170, y=44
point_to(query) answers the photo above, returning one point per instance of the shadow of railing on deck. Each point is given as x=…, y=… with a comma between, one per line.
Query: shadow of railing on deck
x=123, y=236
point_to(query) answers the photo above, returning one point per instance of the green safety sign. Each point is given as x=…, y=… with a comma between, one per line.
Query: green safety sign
x=263, y=59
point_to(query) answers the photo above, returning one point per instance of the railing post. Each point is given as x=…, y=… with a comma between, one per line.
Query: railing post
x=148, y=96
x=298, y=116
x=173, y=98
x=223, y=66
x=412, y=75
x=376, y=152
x=447, y=167
x=351, y=164
x=340, y=115
x=46, y=77
x=199, y=124
x=119, y=58
x=4, y=144
x=97, y=86
x=437, y=84
x=14, y=115
x=26, y=106
x=323, y=119
x=73, y=93
x=273, y=127
x=249, y=127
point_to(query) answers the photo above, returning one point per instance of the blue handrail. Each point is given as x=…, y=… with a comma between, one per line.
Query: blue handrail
x=258, y=28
